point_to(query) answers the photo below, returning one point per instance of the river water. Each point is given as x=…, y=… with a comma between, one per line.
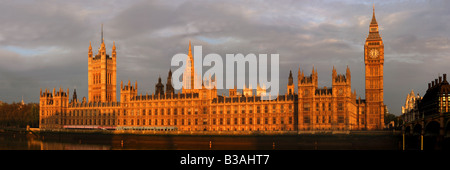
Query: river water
x=65, y=141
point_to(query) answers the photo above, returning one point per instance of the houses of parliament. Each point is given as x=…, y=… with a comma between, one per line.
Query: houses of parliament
x=312, y=108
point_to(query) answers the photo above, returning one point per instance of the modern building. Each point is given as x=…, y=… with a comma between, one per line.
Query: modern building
x=313, y=108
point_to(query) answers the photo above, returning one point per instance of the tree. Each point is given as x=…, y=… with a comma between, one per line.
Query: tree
x=390, y=117
x=18, y=115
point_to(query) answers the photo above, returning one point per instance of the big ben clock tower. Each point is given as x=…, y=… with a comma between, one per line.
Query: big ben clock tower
x=374, y=61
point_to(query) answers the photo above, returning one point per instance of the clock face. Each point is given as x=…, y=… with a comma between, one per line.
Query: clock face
x=340, y=91
x=374, y=53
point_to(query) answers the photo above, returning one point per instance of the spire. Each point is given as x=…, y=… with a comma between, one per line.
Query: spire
x=374, y=20
x=290, y=79
x=374, y=34
x=74, y=97
x=169, y=87
x=190, y=68
x=190, y=51
x=334, y=73
x=102, y=46
x=101, y=40
x=159, y=87
x=90, y=49
x=113, y=53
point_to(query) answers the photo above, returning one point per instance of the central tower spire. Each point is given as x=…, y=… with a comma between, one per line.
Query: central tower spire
x=101, y=40
x=191, y=63
x=189, y=75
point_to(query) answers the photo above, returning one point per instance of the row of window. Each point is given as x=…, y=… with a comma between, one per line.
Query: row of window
x=323, y=119
x=259, y=121
x=249, y=109
x=89, y=121
x=307, y=106
x=229, y=121
x=164, y=104
x=155, y=112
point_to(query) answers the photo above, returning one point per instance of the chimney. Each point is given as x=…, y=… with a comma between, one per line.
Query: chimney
x=429, y=85
x=440, y=79
x=432, y=83
x=445, y=77
x=436, y=82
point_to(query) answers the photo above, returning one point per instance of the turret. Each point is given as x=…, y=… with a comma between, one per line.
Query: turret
x=307, y=84
x=74, y=96
x=90, y=50
x=113, y=53
x=334, y=74
x=310, y=80
x=291, y=78
x=169, y=87
x=159, y=87
x=348, y=75
x=232, y=92
x=341, y=83
x=247, y=91
x=290, y=86
x=261, y=91
x=127, y=92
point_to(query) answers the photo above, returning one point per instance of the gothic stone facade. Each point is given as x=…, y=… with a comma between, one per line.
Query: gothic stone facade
x=313, y=108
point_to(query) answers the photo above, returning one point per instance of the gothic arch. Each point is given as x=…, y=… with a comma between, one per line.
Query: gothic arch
x=431, y=136
x=432, y=128
x=417, y=129
x=447, y=129
x=408, y=130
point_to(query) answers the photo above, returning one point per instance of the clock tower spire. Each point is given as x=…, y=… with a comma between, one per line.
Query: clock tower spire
x=374, y=62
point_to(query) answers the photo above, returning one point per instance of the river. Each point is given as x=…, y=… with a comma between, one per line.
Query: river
x=10, y=140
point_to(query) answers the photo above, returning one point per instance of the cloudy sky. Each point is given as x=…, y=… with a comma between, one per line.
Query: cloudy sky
x=44, y=44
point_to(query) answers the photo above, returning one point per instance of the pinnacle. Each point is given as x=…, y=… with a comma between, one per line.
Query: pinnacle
x=374, y=20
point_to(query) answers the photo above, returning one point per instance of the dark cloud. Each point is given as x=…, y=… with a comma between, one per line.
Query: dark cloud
x=44, y=44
